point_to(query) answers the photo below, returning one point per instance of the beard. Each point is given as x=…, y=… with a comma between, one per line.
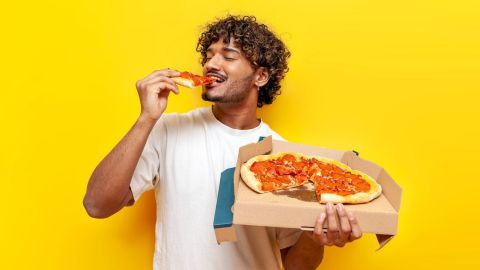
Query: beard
x=236, y=91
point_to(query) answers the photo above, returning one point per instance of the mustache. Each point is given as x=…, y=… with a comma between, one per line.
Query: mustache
x=216, y=74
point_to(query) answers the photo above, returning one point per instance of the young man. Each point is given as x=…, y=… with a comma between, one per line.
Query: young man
x=181, y=157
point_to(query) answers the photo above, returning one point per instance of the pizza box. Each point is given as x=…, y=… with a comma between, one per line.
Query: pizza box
x=298, y=207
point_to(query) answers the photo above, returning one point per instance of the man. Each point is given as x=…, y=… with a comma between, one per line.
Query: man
x=182, y=156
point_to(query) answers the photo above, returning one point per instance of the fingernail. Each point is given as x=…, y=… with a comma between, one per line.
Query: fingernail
x=340, y=207
x=322, y=215
x=329, y=206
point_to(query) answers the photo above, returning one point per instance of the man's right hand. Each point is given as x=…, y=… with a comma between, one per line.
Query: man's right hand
x=153, y=92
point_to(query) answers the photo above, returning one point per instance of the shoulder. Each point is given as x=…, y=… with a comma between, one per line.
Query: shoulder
x=272, y=132
x=178, y=119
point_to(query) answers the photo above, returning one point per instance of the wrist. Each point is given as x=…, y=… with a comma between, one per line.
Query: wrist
x=311, y=236
x=144, y=119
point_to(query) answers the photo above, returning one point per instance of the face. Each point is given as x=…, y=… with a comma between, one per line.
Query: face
x=233, y=72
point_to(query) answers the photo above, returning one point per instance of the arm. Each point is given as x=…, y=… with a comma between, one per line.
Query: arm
x=108, y=190
x=307, y=253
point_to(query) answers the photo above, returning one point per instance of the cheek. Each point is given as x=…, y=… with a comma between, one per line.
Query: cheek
x=238, y=69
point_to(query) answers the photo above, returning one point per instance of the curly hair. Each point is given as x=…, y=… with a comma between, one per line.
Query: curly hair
x=259, y=45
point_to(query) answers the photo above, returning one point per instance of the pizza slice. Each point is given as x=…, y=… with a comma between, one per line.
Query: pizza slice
x=333, y=180
x=190, y=80
x=338, y=183
x=273, y=172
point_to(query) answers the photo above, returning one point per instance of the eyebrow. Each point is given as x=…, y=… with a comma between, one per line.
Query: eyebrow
x=225, y=49
x=230, y=50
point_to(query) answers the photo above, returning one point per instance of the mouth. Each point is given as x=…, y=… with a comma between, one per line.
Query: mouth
x=217, y=80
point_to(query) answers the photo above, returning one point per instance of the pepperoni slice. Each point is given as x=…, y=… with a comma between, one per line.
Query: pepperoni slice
x=287, y=159
x=283, y=170
x=267, y=186
x=261, y=167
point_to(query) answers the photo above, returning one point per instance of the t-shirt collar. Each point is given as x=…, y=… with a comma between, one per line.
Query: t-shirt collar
x=238, y=132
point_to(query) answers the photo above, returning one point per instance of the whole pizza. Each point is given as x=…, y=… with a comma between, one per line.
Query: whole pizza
x=333, y=181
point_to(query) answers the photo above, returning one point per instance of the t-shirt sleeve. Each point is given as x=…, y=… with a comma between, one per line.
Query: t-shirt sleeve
x=146, y=174
x=287, y=237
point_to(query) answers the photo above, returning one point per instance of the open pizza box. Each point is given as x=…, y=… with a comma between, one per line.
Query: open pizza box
x=298, y=207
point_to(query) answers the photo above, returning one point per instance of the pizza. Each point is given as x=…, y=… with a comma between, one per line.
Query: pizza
x=190, y=80
x=333, y=181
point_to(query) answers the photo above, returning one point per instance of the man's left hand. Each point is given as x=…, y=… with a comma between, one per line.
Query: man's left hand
x=339, y=230
x=307, y=253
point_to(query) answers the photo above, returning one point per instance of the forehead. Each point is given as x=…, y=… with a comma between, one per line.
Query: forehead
x=226, y=47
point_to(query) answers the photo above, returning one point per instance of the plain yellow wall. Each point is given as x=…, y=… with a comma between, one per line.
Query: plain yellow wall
x=397, y=81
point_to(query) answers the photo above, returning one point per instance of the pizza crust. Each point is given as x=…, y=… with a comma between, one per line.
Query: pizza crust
x=250, y=179
x=183, y=82
x=361, y=197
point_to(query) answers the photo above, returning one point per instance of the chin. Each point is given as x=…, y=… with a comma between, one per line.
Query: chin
x=208, y=97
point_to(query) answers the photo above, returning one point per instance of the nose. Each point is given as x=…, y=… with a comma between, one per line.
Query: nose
x=212, y=64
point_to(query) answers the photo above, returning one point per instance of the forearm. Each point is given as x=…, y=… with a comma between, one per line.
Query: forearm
x=305, y=254
x=110, y=181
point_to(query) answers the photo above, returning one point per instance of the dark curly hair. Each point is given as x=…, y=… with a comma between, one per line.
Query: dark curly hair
x=259, y=45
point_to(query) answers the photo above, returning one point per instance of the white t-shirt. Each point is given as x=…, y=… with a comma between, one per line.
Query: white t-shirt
x=182, y=160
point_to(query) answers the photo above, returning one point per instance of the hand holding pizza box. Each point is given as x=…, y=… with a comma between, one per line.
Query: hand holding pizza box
x=293, y=202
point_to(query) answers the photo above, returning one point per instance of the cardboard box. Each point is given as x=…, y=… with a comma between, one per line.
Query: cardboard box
x=298, y=207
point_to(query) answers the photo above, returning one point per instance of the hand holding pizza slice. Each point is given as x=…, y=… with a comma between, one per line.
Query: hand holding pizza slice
x=334, y=181
x=190, y=80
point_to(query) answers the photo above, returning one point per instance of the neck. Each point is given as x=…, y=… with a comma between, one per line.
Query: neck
x=237, y=116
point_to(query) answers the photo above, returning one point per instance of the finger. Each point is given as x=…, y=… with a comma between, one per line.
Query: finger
x=318, y=232
x=163, y=72
x=345, y=228
x=356, y=231
x=340, y=243
x=162, y=86
x=159, y=73
x=142, y=85
x=165, y=80
x=332, y=230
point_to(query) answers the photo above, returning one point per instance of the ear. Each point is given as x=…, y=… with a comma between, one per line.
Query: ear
x=261, y=77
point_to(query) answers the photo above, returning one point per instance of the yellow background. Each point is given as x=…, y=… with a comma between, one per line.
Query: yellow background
x=397, y=81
